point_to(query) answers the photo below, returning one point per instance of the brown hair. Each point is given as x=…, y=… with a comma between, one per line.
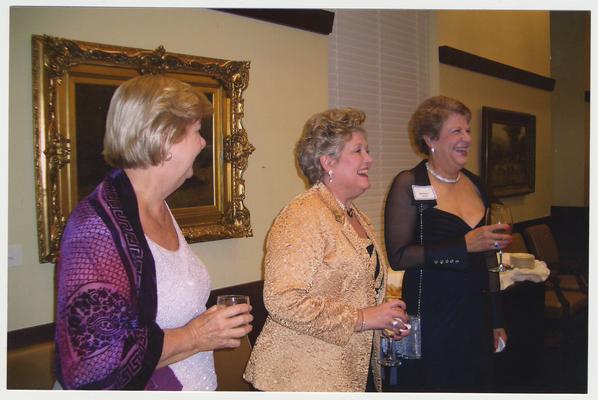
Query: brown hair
x=427, y=120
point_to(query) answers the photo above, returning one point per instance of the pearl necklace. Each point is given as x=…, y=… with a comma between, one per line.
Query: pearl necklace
x=442, y=178
x=350, y=211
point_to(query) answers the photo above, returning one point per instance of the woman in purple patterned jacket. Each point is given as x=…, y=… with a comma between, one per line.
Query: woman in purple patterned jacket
x=131, y=308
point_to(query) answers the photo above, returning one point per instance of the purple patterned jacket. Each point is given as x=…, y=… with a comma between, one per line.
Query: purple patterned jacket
x=106, y=332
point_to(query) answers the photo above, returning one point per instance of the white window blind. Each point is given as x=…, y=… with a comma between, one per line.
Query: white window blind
x=378, y=62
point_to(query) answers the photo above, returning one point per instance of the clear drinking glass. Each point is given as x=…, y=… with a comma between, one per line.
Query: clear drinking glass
x=232, y=299
x=388, y=351
x=388, y=345
x=499, y=214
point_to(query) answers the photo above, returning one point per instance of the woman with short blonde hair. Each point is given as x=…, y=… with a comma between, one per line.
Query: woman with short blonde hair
x=131, y=305
x=146, y=116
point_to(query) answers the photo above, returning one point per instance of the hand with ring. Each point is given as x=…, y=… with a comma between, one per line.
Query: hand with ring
x=488, y=237
x=388, y=315
x=400, y=329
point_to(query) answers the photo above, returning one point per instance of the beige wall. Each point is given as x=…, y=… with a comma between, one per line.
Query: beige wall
x=288, y=83
x=516, y=38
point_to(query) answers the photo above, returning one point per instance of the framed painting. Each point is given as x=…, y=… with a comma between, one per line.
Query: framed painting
x=508, y=151
x=73, y=82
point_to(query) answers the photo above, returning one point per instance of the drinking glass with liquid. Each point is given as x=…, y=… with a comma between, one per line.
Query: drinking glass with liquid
x=499, y=214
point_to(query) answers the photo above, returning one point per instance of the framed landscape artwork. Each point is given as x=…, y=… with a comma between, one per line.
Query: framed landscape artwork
x=508, y=151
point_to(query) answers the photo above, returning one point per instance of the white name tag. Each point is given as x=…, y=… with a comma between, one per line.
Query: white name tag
x=423, y=192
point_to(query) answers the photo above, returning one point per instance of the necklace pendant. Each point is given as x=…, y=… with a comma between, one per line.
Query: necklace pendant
x=350, y=211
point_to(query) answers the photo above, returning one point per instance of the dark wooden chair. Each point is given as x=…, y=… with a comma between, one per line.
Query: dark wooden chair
x=541, y=242
x=566, y=293
x=517, y=245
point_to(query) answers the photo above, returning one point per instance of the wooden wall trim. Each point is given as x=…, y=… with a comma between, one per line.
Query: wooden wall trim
x=462, y=59
x=42, y=333
x=29, y=336
x=521, y=225
x=570, y=228
x=318, y=21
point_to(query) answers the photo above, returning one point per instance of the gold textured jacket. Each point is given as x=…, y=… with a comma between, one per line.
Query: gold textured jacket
x=318, y=273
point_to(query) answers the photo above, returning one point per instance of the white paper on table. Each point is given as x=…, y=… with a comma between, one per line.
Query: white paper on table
x=539, y=273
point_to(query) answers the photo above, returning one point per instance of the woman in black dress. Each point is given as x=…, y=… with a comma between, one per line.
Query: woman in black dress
x=435, y=231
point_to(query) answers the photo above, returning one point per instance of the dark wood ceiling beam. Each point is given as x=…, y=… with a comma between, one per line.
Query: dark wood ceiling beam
x=312, y=20
x=462, y=59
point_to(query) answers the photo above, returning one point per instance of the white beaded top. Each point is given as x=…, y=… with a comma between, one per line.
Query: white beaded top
x=183, y=289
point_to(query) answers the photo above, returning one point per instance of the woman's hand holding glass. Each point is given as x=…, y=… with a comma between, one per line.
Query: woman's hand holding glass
x=392, y=330
x=488, y=237
x=389, y=316
x=220, y=327
x=499, y=215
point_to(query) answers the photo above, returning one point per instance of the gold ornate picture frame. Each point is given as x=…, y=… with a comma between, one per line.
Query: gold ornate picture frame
x=73, y=82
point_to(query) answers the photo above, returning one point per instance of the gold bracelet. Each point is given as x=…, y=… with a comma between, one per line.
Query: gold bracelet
x=359, y=320
x=362, y=322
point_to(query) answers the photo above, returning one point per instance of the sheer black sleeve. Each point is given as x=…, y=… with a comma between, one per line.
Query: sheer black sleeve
x=400, y=225
x=401, y=233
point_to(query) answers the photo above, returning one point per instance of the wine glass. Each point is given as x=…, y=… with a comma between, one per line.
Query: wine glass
x=499, y=214
x=388, y=345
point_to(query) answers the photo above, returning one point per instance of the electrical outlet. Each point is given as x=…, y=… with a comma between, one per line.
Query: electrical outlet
x=15, y=255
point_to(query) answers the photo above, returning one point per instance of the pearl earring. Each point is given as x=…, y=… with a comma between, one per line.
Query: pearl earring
x=330, y=173
x=433, y=150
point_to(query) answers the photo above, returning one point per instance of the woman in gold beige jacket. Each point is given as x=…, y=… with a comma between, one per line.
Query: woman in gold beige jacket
x=325, y=272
